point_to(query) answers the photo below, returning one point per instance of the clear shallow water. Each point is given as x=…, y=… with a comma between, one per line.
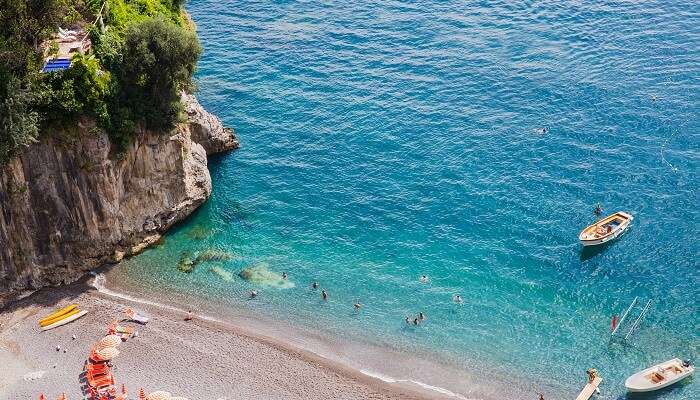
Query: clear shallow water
x=385, y=140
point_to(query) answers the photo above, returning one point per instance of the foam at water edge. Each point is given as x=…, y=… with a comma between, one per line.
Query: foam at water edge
x=100, y=282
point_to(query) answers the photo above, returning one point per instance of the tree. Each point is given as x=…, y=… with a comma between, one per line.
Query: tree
x=158, y=60
x=19, y=125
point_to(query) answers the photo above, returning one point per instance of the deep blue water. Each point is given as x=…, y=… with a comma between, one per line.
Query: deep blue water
x=384, y=140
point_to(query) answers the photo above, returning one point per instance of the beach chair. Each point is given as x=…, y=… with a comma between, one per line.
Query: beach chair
x=96, y=371
x=136, y=317
x=102, y=382
x=126, y=332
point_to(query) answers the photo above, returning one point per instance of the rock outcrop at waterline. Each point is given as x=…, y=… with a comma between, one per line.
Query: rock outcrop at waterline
x=68, y=204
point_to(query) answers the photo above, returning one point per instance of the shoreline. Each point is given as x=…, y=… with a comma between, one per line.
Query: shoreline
x=23, y=355
x=421, y=370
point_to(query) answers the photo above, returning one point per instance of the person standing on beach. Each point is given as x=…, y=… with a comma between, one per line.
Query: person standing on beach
x=324, y=294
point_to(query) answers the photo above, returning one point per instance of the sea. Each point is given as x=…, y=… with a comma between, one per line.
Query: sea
x=467, y=141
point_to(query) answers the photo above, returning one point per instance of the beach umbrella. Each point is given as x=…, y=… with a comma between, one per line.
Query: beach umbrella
x=42, y=397
x=108, y=353
x=110, y=341
x=142, y=394
x=178, y=398
x=159, y=395
x=124, y=389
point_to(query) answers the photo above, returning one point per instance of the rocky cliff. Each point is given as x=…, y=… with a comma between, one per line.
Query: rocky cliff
x=68, y=204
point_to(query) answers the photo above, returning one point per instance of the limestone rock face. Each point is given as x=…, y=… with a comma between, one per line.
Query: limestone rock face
x=68, y=204
x=206, y=128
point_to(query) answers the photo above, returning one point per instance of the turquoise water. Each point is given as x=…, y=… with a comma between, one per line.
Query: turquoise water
x=385, y=140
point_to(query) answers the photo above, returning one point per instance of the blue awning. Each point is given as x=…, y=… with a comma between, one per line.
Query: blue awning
x=56, y=64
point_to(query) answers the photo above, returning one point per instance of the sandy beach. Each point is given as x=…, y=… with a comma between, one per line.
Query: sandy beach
x=197, y=359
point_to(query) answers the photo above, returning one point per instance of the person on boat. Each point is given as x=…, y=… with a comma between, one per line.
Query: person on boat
x=598, y=210
x=424, y=279
x=314, y=285
x=324, y=294
x=421, y=316
x=457, y=299
x=253, y=294
x=284, y=276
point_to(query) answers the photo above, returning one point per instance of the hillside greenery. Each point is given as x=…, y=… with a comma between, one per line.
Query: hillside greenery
x=139, y=63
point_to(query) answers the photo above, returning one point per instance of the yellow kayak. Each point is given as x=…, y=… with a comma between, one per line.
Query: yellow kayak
x=65, y=320
x=58, y=313
x=60, y=317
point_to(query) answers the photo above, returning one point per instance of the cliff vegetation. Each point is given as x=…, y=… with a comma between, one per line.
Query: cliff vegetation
x=143, y=55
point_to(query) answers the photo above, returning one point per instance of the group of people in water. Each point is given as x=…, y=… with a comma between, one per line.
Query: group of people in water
x=415, y=321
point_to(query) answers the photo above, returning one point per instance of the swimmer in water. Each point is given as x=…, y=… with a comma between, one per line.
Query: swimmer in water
x=421, y=316
x=416, y=321
x=324, y=294
x=284, y=276
x=424, y=279
x=357, y=306
x=598, y=210
x=408, y=320
x=253, y=294
x=314, y=285
x=457, y=299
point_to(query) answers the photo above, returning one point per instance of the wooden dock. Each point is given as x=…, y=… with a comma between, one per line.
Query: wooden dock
x=589, y=389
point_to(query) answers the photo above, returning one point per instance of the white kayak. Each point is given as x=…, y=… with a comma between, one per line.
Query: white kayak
x=64, y=321
x=659, y=376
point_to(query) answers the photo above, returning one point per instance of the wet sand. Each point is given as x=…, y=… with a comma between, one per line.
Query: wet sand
x=197, y=359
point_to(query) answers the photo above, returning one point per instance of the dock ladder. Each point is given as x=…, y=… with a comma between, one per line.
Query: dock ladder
x=637, y=322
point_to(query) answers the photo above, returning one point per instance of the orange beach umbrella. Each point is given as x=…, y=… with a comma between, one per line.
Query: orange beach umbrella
x=110, y=341
x=159, y=395
x=107, y=353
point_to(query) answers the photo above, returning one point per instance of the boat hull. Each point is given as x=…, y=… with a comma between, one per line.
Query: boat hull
x=639, y=383
x=587, y=240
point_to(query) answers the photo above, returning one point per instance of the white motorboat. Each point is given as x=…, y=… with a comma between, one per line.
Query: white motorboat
x=659, y=376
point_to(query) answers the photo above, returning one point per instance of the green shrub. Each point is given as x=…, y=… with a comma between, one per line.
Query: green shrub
x=19, y=125
x=138, y=66
x=158, y=60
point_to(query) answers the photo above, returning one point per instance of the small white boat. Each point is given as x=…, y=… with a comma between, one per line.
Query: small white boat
x=659, y=376
x=605, y=229
x=64, y=321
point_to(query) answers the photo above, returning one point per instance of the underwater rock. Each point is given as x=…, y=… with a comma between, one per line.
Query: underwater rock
x=214, y=255
x=200, y=233
x=222, y=273
x=186, y=263
x=260, y=273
